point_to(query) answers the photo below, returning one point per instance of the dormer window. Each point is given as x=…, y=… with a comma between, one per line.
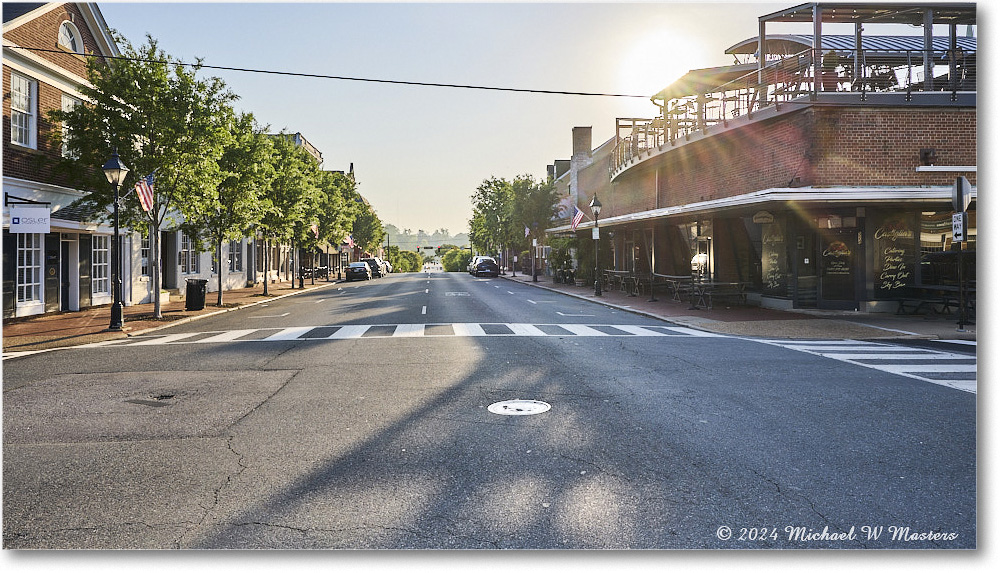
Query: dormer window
x=69, y=37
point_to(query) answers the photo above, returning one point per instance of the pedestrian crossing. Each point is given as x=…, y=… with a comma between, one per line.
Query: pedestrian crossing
x=366, y=331
x=954, y=370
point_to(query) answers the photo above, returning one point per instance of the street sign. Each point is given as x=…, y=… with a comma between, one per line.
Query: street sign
x=958, y=227
x=596, y=231
x=961, y=195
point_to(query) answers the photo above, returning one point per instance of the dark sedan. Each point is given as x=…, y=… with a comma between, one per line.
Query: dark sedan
x=358, y=271
x=486, y=267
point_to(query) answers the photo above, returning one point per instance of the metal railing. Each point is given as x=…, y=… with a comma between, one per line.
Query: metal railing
x=864, y=72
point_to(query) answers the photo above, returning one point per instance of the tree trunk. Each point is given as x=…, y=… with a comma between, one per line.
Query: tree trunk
x=218, y=249
x=154, y=246
x=265, y=266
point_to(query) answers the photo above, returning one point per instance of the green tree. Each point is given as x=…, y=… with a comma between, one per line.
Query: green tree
x=367, y=228
x=491, y=227
x=291, y=198
x=232, y=209
x=163, y=120
x=336, y=209
x=456, y=260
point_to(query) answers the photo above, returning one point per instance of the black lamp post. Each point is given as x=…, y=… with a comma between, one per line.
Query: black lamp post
x=115, y=171
x=595, y=206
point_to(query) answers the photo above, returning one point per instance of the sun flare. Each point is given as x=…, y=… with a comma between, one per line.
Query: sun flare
x=656, y=59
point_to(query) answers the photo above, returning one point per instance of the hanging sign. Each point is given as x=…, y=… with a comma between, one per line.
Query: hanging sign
x=25, y=219
x=763, y=217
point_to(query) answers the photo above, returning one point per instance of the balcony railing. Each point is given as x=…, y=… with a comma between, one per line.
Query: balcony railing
x=863, y=72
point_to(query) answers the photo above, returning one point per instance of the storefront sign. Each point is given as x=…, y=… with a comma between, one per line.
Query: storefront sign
x=24, y=219
x=763, y=217
x=894, y=255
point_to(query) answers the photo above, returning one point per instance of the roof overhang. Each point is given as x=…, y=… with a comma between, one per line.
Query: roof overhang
x=960, y=13
x=859, y=196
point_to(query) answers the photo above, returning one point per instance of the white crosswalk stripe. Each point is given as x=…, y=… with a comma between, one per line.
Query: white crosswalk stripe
x=937, y=367
x=356, y=331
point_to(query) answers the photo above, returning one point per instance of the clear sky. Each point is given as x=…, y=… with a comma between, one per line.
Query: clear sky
x=420, y=152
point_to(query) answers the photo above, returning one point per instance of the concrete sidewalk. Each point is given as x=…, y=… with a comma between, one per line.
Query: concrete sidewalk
x=57, y=330
x=770, y=323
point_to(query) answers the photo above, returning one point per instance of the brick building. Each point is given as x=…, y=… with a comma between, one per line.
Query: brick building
x=62, y=263
x=833, y=194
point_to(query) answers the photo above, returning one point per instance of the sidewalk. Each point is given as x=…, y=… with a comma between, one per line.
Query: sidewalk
x=63, y=329
x=770, y=323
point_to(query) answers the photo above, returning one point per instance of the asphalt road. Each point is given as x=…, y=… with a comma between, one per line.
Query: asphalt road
x=358, y=416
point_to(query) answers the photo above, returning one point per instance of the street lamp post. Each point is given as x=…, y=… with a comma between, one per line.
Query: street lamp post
x=115, y=171
x=595, y=206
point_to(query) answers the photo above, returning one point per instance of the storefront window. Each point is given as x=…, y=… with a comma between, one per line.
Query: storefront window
x=29, y=267
x=101, y=265
x=895, y=256
x=939, y=255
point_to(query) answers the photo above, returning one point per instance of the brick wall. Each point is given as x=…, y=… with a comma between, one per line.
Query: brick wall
x=43, y=32
x=818, y=146
x=881, y=146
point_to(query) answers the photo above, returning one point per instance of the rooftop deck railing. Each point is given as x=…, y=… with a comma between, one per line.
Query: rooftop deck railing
x=863, y=72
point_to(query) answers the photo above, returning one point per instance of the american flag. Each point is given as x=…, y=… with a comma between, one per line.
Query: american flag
x=577, y=217
x=350, y=241
x=144, y=189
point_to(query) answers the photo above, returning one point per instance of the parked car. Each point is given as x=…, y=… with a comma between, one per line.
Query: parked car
x=472, y=264
x=388, y=267
x=486, y=266
x=358, y=271
x=377, y=269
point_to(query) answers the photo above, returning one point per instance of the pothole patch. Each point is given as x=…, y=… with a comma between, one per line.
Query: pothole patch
x=519, y=407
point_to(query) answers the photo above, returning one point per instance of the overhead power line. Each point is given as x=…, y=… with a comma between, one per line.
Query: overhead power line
x=345, y=78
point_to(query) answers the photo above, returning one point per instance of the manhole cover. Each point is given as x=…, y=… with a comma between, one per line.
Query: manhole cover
x=518, y=407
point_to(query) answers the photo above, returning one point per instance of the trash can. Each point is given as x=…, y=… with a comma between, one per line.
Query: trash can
x=194, y=297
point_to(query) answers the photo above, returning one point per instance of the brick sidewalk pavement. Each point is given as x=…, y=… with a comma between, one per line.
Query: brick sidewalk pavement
x=90, y=325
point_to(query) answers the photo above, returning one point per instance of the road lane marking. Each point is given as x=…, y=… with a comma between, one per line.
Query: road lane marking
x=302, y=333
x=468, y=330
x=165, y=339
x=270, y=315
x=876, y=355
x=583, y=330
x=350, y=331
x=423, y=310
x=227, y=336
x=292, y=333
x=525, y=330
x=564, y=314
x=408, y=330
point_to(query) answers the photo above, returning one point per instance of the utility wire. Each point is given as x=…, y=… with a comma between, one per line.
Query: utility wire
x=346, y=78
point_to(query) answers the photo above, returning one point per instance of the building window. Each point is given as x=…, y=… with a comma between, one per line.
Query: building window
x=69, y=37
x=23, y=96
x=188, y=257
x=68, y=103
x=29, y=267
x=101, y=265
x=144, y=254
x=235, y=256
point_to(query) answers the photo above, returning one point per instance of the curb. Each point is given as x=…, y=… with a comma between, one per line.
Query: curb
x=18, y=354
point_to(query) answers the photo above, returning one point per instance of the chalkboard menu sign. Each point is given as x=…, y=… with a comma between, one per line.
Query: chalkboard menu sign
x=895, y=255
x=774, y=257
